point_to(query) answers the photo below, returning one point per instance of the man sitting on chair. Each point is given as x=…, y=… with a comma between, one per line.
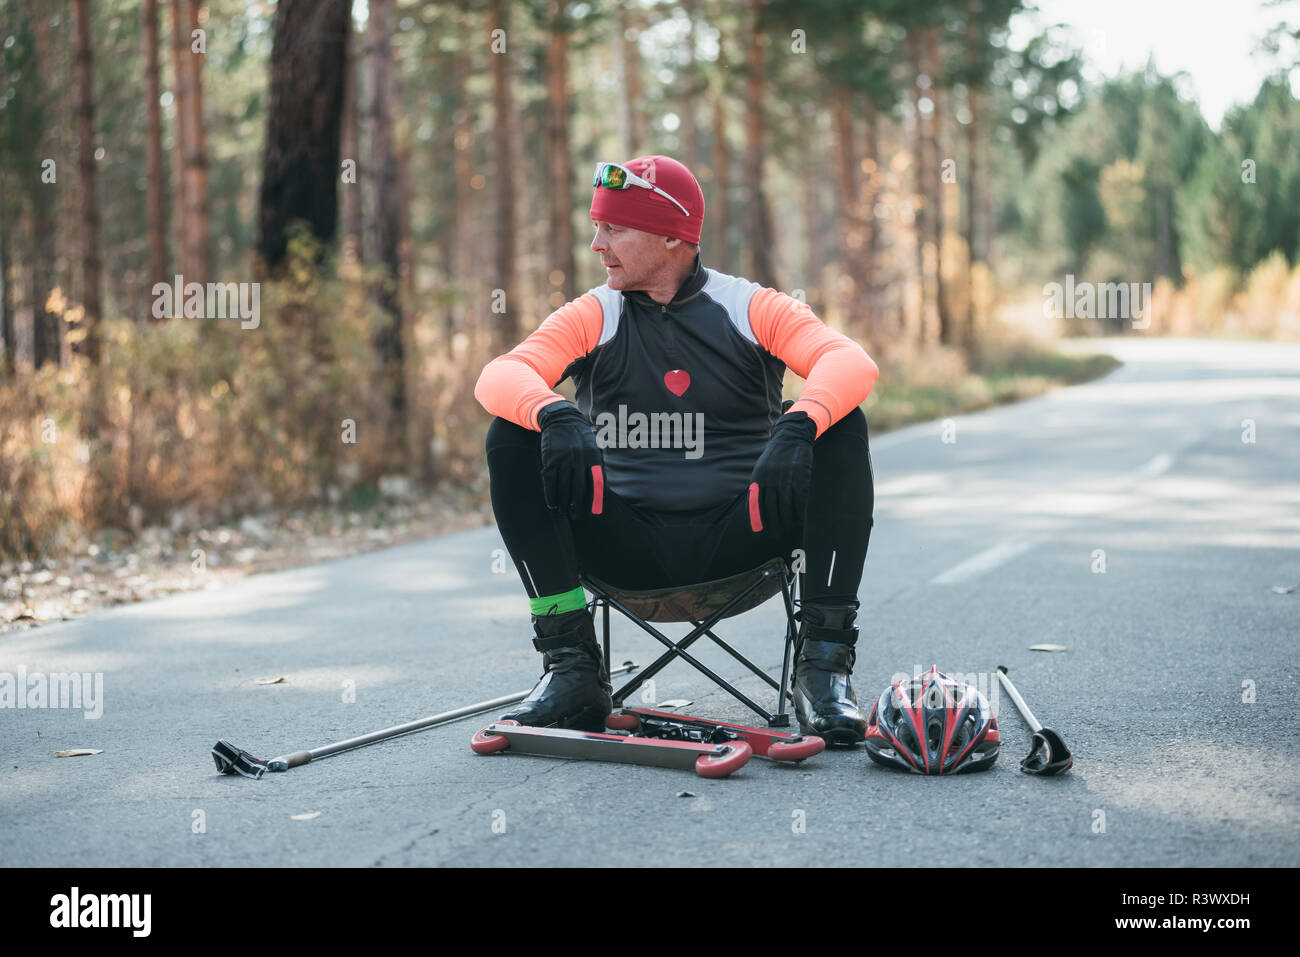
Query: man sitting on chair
x=677, y=465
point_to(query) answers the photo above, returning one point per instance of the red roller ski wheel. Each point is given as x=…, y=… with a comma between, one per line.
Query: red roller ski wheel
x=622, y=721
x=796, y=750
x=484, y=743
x=709, y=766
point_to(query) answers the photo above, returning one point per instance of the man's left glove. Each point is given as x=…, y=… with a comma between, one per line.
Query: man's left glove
x=573, y=470
x=782, y=476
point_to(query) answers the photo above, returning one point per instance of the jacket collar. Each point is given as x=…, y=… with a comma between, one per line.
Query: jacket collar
x=690, y=286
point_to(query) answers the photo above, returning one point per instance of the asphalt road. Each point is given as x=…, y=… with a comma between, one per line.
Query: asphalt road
x=1176, y=692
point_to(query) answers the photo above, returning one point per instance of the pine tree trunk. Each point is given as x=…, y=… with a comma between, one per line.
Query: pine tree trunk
x=6, y=311
x=461, y=243
x=847, y=213
x=984, y=230
x=43, y=275
x=180, y=140
x=350, y=149
x=721, y=179
x=406, y=254
x=760, y=232
x=45, y=347
x=810, y=188
x=417, y=455
x=504, y=269
x=937, y=155
x=198, y=223
x=972, y=189
x=300, y=173
x=980, y=221
x=1166, y=241
x=94, y=413
x=623, y=103
x=557, y=96
x=89, y=224
x=688, y=130
x=921, y=183
x=627, y=67
x=871, y=186
x=153, y=152
x=383, y=184
x=381, y=166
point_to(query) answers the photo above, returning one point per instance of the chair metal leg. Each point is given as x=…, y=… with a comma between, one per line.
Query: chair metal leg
x=782, y=719
x=605, y=622
x=700, y=630
x=654, y=667
x=677, y=650
x=704, y=628
x=742, y=659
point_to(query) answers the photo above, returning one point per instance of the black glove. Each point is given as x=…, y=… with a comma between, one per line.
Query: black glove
x=783, y=473
x=573, y=470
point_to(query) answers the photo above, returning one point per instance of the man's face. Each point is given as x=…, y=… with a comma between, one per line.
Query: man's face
x=631, y=257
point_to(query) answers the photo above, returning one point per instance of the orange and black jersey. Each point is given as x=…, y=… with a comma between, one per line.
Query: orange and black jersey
x=683, y=395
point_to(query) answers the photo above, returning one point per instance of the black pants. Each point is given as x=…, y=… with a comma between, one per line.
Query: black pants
x=631, y=547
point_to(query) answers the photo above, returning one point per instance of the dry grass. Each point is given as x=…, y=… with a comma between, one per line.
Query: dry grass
x=203, y=420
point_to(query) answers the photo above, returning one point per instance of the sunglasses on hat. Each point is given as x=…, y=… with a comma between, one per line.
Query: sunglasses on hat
x=617, y=176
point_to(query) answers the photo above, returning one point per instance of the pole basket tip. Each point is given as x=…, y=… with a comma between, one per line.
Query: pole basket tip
x=232, y=760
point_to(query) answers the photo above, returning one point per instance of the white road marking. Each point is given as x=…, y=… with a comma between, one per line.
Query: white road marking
x=1157, y=466
x=985, y=561
x=920, y=483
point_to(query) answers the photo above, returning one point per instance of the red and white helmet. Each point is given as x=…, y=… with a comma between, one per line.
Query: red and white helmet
x=933, y=725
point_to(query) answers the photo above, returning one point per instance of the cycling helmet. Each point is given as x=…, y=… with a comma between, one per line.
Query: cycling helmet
x=932, y=724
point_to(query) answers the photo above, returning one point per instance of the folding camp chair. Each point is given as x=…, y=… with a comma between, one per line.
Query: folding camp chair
x=704, y=605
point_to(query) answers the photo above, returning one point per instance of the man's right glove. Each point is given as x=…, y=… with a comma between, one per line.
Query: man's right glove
x=573, y=470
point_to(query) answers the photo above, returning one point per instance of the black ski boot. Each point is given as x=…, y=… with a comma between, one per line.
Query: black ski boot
x=574, y=689
x=824, y=700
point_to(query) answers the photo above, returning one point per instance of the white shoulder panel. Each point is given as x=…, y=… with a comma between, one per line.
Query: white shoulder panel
x=733, y=294
x=611, y=304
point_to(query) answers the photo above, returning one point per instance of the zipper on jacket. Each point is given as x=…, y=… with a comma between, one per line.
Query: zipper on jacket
x=669, y=334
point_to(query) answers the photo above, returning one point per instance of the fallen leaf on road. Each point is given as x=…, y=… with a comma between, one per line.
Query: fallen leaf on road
x=1285, y=591
x=1049, y=648
x=78, y=752
x=686, y=794
x=271, y=681
x=675, y=703
x=304, y=817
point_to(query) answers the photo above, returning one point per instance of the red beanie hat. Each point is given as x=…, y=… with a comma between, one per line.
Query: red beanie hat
x=639, y=208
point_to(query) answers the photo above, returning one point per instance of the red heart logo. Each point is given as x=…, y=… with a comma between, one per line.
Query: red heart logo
x=678, y=381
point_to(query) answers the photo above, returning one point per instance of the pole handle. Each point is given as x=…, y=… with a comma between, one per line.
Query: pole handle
x=286, y=761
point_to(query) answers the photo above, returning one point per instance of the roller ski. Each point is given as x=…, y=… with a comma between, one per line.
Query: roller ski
x=668, y=726
x=705, y=759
